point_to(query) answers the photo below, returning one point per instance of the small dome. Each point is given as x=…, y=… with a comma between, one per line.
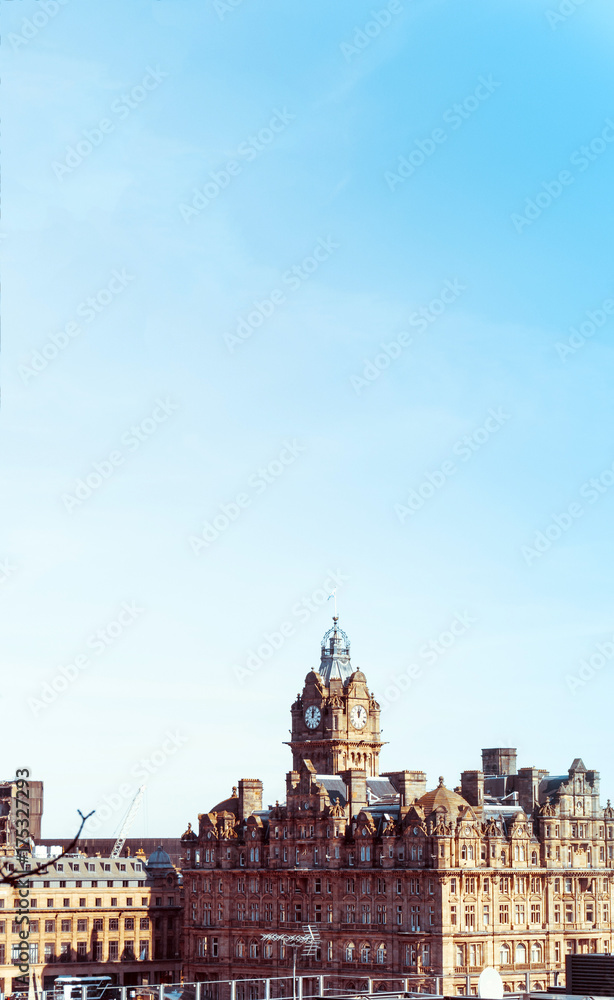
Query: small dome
x=159, y=859
x=442, y=798
x=358, y=676
x=230, y=805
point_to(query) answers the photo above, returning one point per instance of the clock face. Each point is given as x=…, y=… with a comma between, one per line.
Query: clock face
x=358, y=717
x=313, y=716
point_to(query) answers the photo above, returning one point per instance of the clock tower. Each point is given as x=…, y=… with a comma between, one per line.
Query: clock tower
x=335, y=721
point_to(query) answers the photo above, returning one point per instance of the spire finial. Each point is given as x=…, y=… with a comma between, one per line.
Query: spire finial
x=333, y=593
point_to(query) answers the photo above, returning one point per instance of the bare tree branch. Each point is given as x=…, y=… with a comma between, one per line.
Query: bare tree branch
x=8, y=877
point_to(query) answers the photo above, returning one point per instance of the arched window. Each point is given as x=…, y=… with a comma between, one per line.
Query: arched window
x=349, y=952
x=521, y=954
x=253, y=949
x=381, y=954
x=536, y=953
x=534, y=858
x=505, y=955
x=365, y=953
x=241, y=948
x=463, y=853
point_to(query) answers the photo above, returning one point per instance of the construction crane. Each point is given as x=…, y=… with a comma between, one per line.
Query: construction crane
x=129, y=820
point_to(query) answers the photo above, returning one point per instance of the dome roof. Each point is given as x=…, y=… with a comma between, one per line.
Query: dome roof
x=159, y=859
x=442, y=798
x=230, y=805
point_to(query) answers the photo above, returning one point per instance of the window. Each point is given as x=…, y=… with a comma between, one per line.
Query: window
x=366, y=913
x=129, y=901
x=453, y=915
x=82, y=901
x=557, y=913
x=486, y=915
x=144, y=923
x=536, y=913
x=81, y=925
x=66, y=926
x=536, y=954
x=129, y=924
x=469, y=918
x=521, y=954
x=49, y=926
x=82, y=949
x=381, y=913
x=460, y=956
x=381, y=954
x=504, y=913
x=113, y=951
x=519, y=913
x=113, y=924
x=414, y=918
x=349, y=952
x=505, y=955
x=98, y=901
x=98, y=923
x=50, y=903
x=365, y=953
x=399, y=916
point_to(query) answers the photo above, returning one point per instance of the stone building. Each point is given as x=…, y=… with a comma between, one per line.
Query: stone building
x=94, y=915
x=9, y=805
x=512, y=869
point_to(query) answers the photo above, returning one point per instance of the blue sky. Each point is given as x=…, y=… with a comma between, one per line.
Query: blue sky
x=407, y=211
